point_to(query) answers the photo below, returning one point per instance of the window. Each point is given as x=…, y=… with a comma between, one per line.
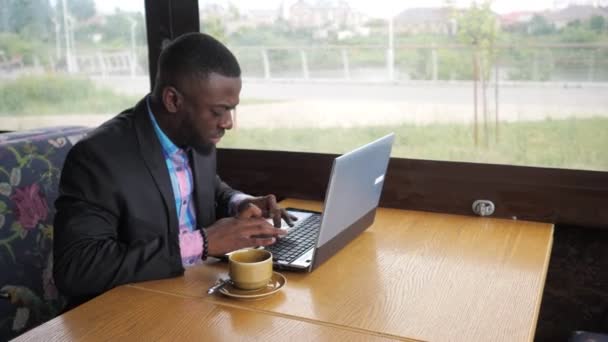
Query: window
x=512, y=83
x=70, y=62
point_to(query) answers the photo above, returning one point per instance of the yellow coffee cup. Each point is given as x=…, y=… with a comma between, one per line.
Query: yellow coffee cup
x=250, y=269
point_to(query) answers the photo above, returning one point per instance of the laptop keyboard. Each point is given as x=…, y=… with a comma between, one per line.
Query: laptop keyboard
x=299, y=240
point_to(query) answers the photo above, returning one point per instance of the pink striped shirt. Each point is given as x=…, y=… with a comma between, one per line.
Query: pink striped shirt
x=178, y=165
x=180, y=172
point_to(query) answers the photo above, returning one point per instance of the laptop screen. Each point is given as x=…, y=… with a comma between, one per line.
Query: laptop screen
x=354, y=187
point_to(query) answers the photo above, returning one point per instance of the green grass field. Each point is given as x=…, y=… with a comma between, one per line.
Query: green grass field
x=572, y=143
x=59, y=95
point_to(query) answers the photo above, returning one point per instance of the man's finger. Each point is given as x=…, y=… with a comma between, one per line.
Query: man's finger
x=264, y=231
x=266, y=204
x=288, y=217
x=263, y=241
x=276, y=219
x=274, y=211
x=250, y=211
x=255, y=225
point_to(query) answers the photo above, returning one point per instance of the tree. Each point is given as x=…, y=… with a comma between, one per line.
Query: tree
x=597, y=23
x=233, y=12
x=4, y=14
x=117, y=26
x=28, y=18
x=478, y=27
x=81, y=9
x=539, y=25
x=578, y=34
x=214, y=25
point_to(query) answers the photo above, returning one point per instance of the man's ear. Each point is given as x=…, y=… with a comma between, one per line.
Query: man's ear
x=171, y=99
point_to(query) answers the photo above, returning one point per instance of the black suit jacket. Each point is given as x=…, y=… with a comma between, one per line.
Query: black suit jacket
x=116, y=219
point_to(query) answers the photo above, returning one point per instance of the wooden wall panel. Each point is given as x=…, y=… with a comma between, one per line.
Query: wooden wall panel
x=527, y=193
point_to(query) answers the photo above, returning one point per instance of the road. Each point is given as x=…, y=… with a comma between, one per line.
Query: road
x=573, y=94
x=331, y=103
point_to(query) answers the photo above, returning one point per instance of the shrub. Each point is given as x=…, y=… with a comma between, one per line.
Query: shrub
x=59, y=95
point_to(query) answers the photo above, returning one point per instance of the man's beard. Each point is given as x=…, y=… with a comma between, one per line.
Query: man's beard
x=194, y=141
x=204, y=149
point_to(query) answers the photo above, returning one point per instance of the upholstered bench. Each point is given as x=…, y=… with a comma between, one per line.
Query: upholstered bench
x=30, y=166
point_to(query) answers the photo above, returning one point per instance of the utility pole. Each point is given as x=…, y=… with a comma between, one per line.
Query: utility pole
x=133, y=61
x=390, y=53
x=68, y=47
x=57, y=36
x=5, y=15
x=72, y=24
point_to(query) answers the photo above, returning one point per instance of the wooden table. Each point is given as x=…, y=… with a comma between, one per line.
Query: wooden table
x=411, y=276
x=129, y=314
x=417, y=275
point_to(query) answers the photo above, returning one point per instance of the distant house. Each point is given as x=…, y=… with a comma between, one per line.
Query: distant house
x=558, y=18
x=260, y=17
x=323, y=13
x=233, y=20
x=515, y=19
x=566, y=3
x=425, y=20
x=562, y=17
x=251, y=19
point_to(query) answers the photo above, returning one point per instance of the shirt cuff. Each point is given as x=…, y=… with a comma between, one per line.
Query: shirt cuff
x=235, y=201
x=191, y=247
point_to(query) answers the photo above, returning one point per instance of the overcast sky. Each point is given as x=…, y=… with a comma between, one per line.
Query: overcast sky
x=379, y=8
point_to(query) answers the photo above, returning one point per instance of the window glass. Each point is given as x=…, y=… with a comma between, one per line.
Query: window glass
x=70, y=62
x=508, y=82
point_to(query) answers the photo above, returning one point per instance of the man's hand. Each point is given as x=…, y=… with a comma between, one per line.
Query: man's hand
x=231, y=233
x=265, y=206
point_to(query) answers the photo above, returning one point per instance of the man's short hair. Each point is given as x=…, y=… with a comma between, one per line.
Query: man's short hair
x=194, y=55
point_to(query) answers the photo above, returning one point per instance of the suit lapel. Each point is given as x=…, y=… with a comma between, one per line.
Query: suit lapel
x=203, y=174
x=152, y=154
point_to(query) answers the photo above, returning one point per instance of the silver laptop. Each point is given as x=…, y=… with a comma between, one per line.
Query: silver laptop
x=351, y=199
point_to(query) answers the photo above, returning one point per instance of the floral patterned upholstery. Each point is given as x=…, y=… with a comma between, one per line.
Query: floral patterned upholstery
x=30, y=165
x=33, y=134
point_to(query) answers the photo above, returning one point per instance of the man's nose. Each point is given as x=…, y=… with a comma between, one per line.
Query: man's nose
x=226, y=121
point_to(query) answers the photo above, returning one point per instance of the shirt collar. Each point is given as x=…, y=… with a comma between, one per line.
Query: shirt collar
x=169, y=148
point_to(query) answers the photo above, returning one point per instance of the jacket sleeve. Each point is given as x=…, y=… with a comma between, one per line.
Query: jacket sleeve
x=223, y=196
x=89, y=257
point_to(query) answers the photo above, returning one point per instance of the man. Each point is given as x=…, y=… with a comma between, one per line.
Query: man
x=140, y=198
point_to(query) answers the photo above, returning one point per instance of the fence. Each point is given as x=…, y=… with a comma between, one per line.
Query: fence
x=539, y=63
x=559, y=63
x=113, y=63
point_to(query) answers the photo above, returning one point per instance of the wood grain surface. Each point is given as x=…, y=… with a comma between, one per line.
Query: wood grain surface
x=425, y=276
x=130, y=314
